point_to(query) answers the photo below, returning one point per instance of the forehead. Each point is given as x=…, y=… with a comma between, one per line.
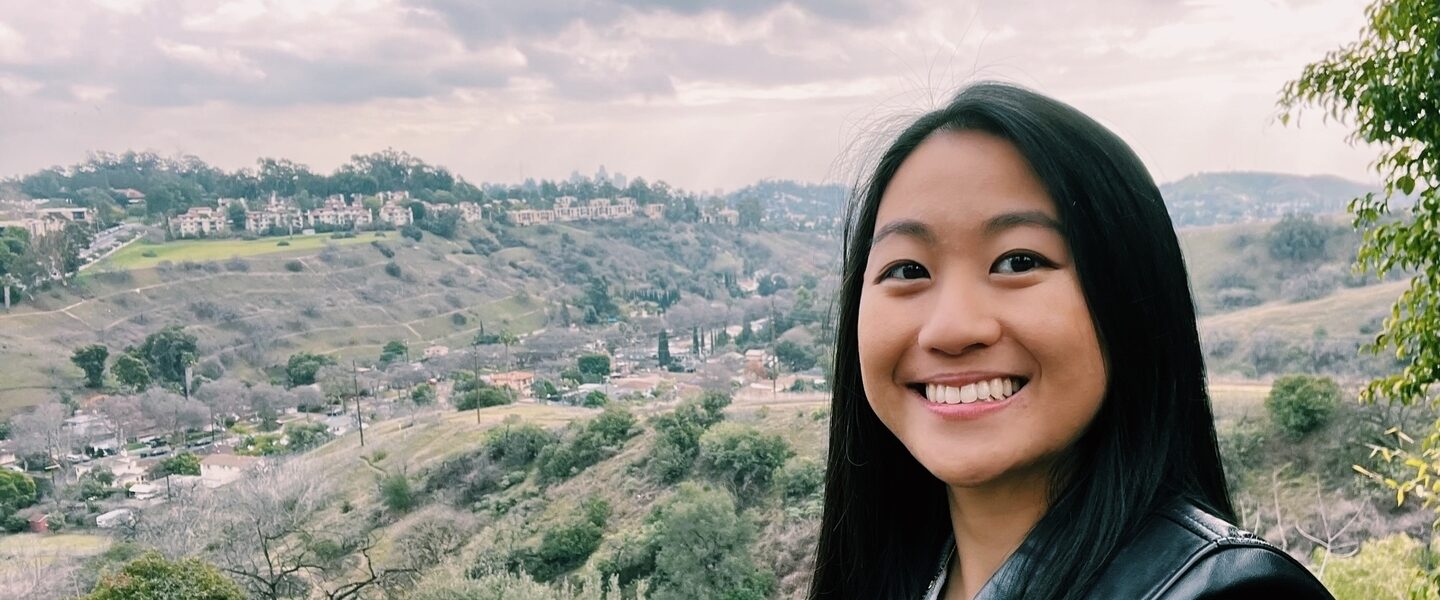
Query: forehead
x=961, y=178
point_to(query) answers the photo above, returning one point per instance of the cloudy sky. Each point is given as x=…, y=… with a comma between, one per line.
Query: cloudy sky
x=704, y=94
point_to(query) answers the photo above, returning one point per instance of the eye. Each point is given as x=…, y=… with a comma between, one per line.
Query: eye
x=1019, y=262
x=906, y=271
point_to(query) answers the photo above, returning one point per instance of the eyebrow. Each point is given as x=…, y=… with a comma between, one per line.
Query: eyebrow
x=993, y=226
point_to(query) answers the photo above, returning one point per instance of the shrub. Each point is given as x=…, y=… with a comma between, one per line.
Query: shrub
x=595, y=399
x=294, y=266
x=485, y=397
x=392, y=269
x=385, y=251
x=282, y=243
x=742, y=457
x=1300, y=404
x=149, y=254
x=802, y=478
x=396, y=493
x=568, y=545
x=153, y=576
x=701, y=545
x=595, y=440
x=1387, y=567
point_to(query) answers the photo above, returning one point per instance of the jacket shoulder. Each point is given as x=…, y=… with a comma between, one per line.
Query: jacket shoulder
x=1185, y=553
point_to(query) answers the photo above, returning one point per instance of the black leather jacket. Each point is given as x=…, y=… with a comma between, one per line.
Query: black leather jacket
x=1184, y=553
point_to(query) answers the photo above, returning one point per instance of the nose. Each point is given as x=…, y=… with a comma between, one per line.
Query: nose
x=962, y=318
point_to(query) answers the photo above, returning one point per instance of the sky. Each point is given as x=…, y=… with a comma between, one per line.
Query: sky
x=704, y=94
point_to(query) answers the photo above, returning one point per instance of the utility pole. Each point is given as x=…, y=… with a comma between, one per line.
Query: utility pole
x=355, y=381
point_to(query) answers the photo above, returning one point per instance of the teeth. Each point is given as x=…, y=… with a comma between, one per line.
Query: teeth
x=992, y=390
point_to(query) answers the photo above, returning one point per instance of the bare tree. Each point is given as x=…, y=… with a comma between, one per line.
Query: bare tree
x=42, y=431
x=123, y=415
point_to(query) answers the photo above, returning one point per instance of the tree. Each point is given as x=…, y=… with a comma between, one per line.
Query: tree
x=235, y=213
x=153, y=577
x=423, y=394
x=1297, y=238
x=662, y=350
x=794, y=356
x=508, y=338
x=169, y=352
x=484, y=397
x=393, y=350
x=595, y=399
x=742, y=457
x=596, y=365
x=302, y=367
x=1384, y=85
x=701, y=546
x=91, y=359
x=131, y=371
x=300, y=437
x=183, y=463
x=17, y=490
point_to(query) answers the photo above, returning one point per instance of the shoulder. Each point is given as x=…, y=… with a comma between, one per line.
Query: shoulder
x=1183, y=552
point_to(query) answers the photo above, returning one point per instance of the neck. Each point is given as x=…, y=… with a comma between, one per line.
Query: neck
x=990, y=522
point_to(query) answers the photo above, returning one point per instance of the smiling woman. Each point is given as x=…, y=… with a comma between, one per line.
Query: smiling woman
x=1019, y=406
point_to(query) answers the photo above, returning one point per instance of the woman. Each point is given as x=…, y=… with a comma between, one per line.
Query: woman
x=1019, y=404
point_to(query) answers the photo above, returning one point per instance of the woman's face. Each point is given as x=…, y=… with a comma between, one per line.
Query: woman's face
x=976, y=346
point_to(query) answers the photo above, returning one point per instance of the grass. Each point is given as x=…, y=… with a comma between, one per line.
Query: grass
x=146, y=254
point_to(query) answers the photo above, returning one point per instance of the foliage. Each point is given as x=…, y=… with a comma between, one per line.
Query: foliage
x=662, y=349
x=423, y=394
x=17, y=490
x=593, y=441
x=396, y=494
x=485, y=397
x=701, y=549
x=300, y=437
x=568, y=545
x=294, y=266
x=91, y=359
x=302, y=367
x=1300, y=404
x=742, y=457
x=517, y=447
x=1388, y=567
x=184, y=463
x=678, y=432
x=802, y=478
x=392, y=269
x=595, y=399
x=794, y=356
x=153, y=577
x=131, y=371
x=169, y=352
x=1384, y=85
x=597, y=365
x=393, y=350
x=1297, y=238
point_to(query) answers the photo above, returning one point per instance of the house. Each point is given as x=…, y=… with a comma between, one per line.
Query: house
x=38, y=227
x=78, y=214
x=276, y=214
x=200, y=221
x=520, y=381
x=217, y=470
x=131, y=196
x=396, y=214
x=530, y=216
x=337, y=214
x=128, y=472
x=115, y=518
x=654, y=211
x=470, y=212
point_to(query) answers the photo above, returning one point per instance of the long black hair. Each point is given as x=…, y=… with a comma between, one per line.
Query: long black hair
x=886, y=518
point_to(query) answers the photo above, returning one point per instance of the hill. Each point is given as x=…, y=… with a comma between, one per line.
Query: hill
x=1243, y=196
x=252, y=304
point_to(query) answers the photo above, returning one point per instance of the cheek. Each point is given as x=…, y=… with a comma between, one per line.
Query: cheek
x=880, y=337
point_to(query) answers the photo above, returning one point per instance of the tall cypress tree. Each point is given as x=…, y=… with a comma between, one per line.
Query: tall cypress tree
x=663, y=351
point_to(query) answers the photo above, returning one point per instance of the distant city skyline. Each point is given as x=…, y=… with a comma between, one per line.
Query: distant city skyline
x=703, y=95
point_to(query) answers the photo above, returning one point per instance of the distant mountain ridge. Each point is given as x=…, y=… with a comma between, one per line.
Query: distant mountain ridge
x=1245, y=196
x=1197, y=200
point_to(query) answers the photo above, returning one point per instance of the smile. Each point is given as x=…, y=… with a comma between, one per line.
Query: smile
x=991, y=390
